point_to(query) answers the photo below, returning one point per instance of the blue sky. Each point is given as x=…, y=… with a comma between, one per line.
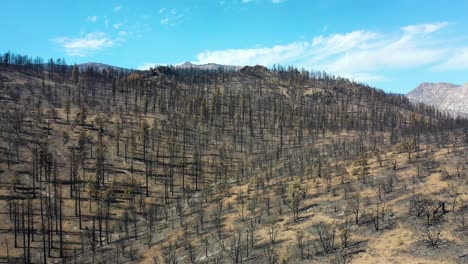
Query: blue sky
x=394, y=45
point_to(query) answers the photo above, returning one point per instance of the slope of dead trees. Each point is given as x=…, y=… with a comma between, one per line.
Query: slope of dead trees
x=188, y=166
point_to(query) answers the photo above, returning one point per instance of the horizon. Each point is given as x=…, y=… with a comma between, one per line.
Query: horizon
x=394, y=46
x=175, y=65
x=235, y=66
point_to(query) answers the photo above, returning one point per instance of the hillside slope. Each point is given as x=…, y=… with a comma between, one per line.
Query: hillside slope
x=252, y=166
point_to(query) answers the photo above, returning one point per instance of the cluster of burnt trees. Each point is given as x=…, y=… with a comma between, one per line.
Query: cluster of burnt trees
x=30, y=64
x=99, y=161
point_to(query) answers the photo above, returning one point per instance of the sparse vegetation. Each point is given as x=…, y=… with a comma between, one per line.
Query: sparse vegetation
x=197, y=166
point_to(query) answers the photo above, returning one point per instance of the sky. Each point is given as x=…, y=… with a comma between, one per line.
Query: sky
x=394, y=45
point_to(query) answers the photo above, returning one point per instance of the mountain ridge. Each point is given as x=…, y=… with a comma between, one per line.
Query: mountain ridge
x=448, y=97
x=207, y=66
x=102, y=66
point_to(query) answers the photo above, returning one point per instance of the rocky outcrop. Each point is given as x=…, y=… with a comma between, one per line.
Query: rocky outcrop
x=208, y=66
x=446, y=97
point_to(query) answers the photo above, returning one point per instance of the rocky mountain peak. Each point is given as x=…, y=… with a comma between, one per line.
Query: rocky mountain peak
x=448, y=97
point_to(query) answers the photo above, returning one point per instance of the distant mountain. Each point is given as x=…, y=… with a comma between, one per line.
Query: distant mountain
x=448, y=97
x=185, y=65
x=101, y=66
x=208, y=66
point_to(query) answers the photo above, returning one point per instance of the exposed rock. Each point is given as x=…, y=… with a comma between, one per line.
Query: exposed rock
x=446, y=97
x=208, y=66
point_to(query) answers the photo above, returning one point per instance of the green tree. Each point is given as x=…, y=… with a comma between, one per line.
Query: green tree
x=296, y=193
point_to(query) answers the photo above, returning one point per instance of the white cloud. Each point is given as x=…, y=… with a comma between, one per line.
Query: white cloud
x=117, y=8
x=246, y=1
x=360, y=54
x=318, y=49
x=92, y=18
x=458, y=61
x=384, y=54
x=424, y=28
x=85, y=45
x=277, y=1
x=264, y=56
x=173, y=16
x=117, y=25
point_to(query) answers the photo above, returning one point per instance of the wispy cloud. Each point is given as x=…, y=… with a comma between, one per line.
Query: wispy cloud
x=424, y=28
x=92, y=18
x=458, y=61
x=86, y=44
x=359, y=54
x=246, y=1
x=277, y=1
x=264, y=56
x=107, y=33
x=117, y=25
x=172, y=17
